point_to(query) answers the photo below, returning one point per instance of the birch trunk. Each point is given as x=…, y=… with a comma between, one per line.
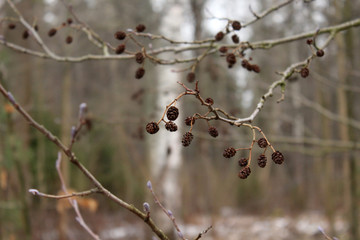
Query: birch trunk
x=165, y=155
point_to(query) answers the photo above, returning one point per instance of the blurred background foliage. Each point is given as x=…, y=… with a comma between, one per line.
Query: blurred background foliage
x=321, y=172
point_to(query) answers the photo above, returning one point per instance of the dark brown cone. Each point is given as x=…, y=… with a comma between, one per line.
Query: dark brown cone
x=231, y=58
x=277, y=157
x=262, y=159
x=120, y=35
x=262, y=142
x=140, y=72
x=120, y=49
x=229, y=152
x=139, y=57
x=172, y=113
x=255, y=68
x=11, y=26
x=244, y=173
x=236, y=25
x=140, y=28
x=320, y=53
x=249, y=67
x=36, y=27
x=189, y=120
x=243, y=162
x=219, y=36
x=68, y=40
x=213, y=132
x=171, y=126
x=235, y=38
x=69, y=21
x=209, y=101
x=304, y=72
x=190, y=77
x=152, y=127
x=52, y=32
x=25, y=34
x=187, y=138
x=223, y=49
x=309, y=41
x=245, y=63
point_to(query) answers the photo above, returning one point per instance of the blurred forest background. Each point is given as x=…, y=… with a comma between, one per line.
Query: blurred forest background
x=316, y=127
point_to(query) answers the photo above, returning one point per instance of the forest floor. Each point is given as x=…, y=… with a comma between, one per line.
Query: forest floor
x=227, y=225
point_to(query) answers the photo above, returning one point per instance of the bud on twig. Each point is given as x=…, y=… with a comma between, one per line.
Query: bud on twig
x=146, y=207
x=82, y=110
x=149, y=185
x=11, y=98
x=34, y=191
x=73, y=132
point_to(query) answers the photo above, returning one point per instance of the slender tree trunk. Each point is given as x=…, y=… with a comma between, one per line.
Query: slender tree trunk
x=345, y=58
x=166, y=148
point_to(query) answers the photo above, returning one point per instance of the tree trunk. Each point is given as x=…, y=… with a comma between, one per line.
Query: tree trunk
x=345, y=58
x=166, y=147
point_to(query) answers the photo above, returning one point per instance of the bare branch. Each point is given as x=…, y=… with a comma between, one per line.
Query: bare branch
x=266, y=12
x=70, y=195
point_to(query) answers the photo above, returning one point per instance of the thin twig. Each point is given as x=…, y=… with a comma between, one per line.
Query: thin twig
x=70, y=195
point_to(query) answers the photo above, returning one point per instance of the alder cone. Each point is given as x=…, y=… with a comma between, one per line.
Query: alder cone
x=172, y=113
x=120, y=35
x=236, y=25
x=213, y=132
x=140, y=72
x=152, y=127
x=255, y=68
x=68, y=40
x=25, y=34
x=187, y=138
x=11, y=26
x=231, y=58
x=52, y=32
x=244, y=173
x=320, y=53
x=209, y=101
x=190, y=77
x=139, y=57
x=277, y=157
x=262, y=159
x=171, y=126
x=235, y=38
x=304, y=72
x=140, y=28
x=223, y=49
x=262, y=143
x=219, y=36
x=243, y=162
x=229, y=152
x=120, y=49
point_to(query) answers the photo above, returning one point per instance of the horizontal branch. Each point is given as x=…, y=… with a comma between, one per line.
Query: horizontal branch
x=74, y=194
x=189, y=46
x=267, y=12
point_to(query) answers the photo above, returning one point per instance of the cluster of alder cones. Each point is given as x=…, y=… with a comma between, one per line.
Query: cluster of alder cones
x=244, y=163
x=52, y=32
x=172, y=114
x=139, y=56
